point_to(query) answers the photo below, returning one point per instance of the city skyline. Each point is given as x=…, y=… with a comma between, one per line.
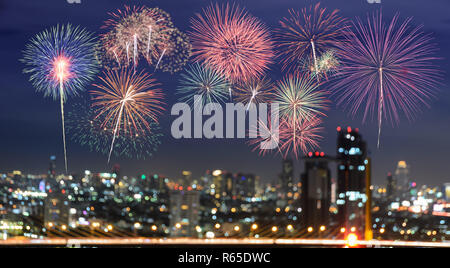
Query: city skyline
x=31, y=123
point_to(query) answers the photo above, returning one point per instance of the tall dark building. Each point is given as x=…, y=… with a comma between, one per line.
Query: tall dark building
x=352, y=161
x=287, y=177
x=245, y=185
x=184, y=213
x=52, y=167
x=391, y=189
x=316, y=190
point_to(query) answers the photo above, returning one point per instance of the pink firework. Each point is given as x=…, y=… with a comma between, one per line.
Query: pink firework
x=300, y=137
x=291, y=138
x=386, y=69
x=231, y=41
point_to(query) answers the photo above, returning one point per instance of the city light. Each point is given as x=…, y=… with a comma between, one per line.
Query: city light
x=352, y=240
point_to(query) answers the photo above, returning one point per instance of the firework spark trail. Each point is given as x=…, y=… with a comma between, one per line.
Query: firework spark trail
x=387, y=68
x=61, y=62
x=232, y=42
x=126, y=99
x=311, y=31
x=61, y=92
x=160, y=58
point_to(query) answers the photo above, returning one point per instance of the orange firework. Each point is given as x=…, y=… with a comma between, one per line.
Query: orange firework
x=128, y=102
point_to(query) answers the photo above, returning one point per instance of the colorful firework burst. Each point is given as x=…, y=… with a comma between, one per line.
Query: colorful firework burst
x=175, y=53
x=254, y=91
x=300, y=136
x=387, y=68
x=61, y=62
x=205, y=82
x=290, y=138
x=127, y=102
x=299, y=98
x=328, y=65
x=86, y=128
x=308, y=34
x=147, y=33
x=232, y=42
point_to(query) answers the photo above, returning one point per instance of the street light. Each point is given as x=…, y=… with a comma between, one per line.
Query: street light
x=154, y=228
x=310, y=229
x=254, y=226
x=290, y=227
x=236, y=228
x=274, y=229
x=352, y=240
x=322, y=228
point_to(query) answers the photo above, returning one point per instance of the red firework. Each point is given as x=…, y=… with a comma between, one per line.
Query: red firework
x=231, y=41
x=290, y=138
x=300, y=136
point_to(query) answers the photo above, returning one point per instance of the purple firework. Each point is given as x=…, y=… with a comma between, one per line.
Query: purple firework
x=386, y=68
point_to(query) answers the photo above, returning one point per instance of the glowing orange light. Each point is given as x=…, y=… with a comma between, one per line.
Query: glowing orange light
x=352, y=240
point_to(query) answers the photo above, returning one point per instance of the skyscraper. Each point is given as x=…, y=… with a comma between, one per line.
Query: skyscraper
x=316, y=190
x=184, y=212
x=403, y=179
x=352, y=161
x=52, y=167
x=287, y=177
x=391, y=188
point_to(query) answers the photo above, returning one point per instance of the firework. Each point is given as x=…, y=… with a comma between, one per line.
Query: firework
x=61, y=62
x=205, y=82
x=232, y=42
x=387, y=68
x=300, y=136
x=327, y=65
x=308, y=34
x=145, y=33
x=85, y=128
x=299, y=98
x=127, y=102
x=254, y=91
x=291, y=138
x=175, y=53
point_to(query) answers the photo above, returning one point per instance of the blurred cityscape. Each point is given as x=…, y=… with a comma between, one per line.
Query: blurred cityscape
x=223, y=204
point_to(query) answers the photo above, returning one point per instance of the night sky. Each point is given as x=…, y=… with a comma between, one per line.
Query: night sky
x=30, y=124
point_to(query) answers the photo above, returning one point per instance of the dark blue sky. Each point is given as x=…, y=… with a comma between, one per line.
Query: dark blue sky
x=30, y=124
